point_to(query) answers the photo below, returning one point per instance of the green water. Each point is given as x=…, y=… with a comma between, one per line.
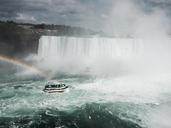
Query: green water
x=91, y=102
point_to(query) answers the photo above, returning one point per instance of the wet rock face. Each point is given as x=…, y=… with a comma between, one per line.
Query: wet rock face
x=15, y=39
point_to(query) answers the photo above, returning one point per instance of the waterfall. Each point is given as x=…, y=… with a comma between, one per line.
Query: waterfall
x=101, y=55
x=56, y=47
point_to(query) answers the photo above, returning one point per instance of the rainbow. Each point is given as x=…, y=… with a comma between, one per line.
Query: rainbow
x=22, y=64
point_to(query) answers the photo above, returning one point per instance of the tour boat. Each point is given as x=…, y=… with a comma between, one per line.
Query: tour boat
x=55, y=87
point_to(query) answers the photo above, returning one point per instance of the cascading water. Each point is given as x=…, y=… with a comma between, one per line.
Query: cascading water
x=94, y=47
x=100, y=52
x=87, y=55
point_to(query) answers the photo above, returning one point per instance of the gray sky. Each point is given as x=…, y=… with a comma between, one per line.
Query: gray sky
x=86, y=13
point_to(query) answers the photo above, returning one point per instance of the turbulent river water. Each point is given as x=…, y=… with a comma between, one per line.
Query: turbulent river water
x=112, y=94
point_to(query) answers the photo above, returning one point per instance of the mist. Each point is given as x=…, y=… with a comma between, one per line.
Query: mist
x=132, y=18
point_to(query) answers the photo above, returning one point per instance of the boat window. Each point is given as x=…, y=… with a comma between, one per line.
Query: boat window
x=53, y=86
x=47, y=86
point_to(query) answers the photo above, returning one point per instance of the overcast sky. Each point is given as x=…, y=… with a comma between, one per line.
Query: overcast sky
x=71, y=12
